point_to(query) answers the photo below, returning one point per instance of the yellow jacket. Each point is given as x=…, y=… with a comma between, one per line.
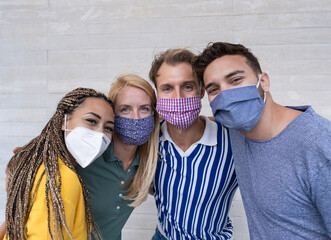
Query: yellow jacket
x=74, y=207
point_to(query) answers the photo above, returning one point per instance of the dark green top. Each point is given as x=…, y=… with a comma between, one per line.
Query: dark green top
x=107, y=182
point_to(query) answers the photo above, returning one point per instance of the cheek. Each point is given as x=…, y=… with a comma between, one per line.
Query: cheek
x=109, y=135
x=211, y=98
x=143, y=115
x=160, y=95
x=196, y=91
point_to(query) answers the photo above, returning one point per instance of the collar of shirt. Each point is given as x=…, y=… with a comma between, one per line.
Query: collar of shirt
x=208, y=138
x=109, y=156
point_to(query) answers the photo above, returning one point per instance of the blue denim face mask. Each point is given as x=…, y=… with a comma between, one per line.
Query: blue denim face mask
x=134, y=131
x=238, y=108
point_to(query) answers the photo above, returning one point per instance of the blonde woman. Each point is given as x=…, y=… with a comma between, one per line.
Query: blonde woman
x=120, y=179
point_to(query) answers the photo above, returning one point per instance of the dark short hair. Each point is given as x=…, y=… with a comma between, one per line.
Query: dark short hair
x=220, y=49
x=171, y=57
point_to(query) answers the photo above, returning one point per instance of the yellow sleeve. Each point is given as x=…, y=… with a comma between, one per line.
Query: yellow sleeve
x=73, y=200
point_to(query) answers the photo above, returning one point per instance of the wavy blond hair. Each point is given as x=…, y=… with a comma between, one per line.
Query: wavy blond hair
x=142, y=181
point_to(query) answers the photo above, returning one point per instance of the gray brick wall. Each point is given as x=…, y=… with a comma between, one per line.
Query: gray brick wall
x=49, y=47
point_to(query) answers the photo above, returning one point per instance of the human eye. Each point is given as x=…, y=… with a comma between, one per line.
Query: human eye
x=109, y=129
x=124, y=110
x=145, y=109
x=236, y=80
x=166, y=89
x=91, y=121
x=188, y=87
x=212, y=90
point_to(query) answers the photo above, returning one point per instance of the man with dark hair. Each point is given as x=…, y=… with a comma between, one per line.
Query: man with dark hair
x=195, y=179
x=282, y=154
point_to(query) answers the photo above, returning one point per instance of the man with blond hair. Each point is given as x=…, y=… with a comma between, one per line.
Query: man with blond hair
x=195, y=179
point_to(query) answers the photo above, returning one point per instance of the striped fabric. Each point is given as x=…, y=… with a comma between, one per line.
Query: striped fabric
x=193, y=191
x=180, y=112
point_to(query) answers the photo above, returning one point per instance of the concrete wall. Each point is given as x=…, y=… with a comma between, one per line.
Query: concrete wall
x=49, y=47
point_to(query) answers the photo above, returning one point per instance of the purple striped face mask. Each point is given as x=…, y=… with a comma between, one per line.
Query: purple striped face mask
x=180, y=112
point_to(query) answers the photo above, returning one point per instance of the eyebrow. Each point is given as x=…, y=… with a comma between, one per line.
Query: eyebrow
x=210, y=85
x=182, y=83
x=189, y=82
x=97, y=116
x=165, y=85
x=234, y=73
x=226, y=76
x=124, y=105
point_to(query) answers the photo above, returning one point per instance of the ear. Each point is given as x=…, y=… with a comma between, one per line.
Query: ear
x=62, y=128
x=265, y=82
x=63, y=120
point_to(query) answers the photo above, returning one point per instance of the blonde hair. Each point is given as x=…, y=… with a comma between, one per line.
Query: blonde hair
x=172, y=57
x=46, y=149
x=142, y=181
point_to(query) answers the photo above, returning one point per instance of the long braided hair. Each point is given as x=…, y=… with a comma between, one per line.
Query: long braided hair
x=46, y=149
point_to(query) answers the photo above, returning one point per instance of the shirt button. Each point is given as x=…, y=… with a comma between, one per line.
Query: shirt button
x=118, y=207
x=120, y=195
x=129, y=170
x=122, y=182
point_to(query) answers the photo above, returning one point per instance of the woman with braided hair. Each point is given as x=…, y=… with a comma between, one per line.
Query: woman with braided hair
x=46, y=198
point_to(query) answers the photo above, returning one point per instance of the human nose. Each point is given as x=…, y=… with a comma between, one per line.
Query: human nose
x=100, y=128
x=225, y=88
x=136, y=115
x=177, y=94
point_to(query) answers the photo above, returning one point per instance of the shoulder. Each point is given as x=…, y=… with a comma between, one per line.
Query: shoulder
x=70, y=185
x=213, y=126
x=214, y=134
x=66, y=173
x=312, y=127
x=312, y=134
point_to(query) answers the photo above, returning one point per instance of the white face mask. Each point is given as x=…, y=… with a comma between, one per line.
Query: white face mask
x=84, y=144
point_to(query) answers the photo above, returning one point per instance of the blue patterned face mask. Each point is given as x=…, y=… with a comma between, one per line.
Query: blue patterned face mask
x=134, y=131
x=238, y=108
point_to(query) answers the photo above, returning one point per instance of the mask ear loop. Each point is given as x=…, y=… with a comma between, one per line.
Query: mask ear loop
x=257, y=86
x=65, y=123
x=65, y=126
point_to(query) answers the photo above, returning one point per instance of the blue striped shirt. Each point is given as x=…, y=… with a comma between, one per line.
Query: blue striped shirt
x=194, y=189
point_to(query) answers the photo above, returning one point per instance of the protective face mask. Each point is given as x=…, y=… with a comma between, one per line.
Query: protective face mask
x=84, y=144
x=134, y=131
x=180, y=112
x=238, y=108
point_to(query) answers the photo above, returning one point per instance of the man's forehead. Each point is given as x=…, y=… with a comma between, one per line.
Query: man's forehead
x=181, y=72
x=182, y=66
x=178, y=81
x=229, y=64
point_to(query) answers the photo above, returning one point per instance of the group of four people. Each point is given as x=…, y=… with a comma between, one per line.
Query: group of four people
x=97, y=158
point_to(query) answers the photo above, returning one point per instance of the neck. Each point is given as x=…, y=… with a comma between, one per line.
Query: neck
x=275, y=118
x=185, y=138
x=124, y=152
